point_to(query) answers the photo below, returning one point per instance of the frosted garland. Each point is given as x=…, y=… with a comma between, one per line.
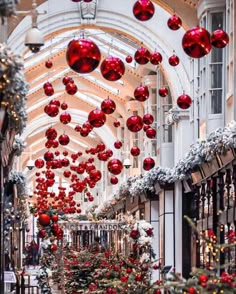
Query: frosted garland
x=7, y=7
x=217, y=143
x=20, y=180
x=19, y=145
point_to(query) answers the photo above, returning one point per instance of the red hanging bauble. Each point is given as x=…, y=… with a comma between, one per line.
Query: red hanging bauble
x=148, y=163
x=146, y=127
x=118, y=144
x=129, y=59
x=71, y=88
x=64, y=106
x=84, y=132
x=65, y=153
x=141, y=93
x=47, y=84
x=65, y=162
x=219, y=38
x=115, y=166
x=112, y=68
x=135, y=151
x=57, y=153
x=116, y=124
x=173, y=60
x=101, y=147
x=59, y=234
x=55, y=102
x=196, y=42
x=143, y=10
x=39, y=163
x=51, y=134
x=108, y=106
x=55, y=143
x=192, y=290
x=67, y=173
x=184, y=101
x=134, y=123
x=48, y=156
x=151, y=133
x=109, y=152
x=48, y=64
x=88, y=126
x=67, y=80
x=42, y=233
x=83, y=55
x=97, y=118
x=49, y=91
x=51, y=110
x=64, y=139
x=95, y=175
x=44, y=219
x=65, y=118
x=148, y=119
x=114, y=180
x=142, y=56
x=174, y=22
x=156, y=58
x=53, y=247
x=49, y=174
x=163, y=92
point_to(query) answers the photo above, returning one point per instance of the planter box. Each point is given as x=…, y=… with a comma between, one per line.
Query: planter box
x=211, y=167
x=226, y=158
x=197, y=175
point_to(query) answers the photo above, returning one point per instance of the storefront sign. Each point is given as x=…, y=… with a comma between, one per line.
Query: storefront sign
x=95, y=226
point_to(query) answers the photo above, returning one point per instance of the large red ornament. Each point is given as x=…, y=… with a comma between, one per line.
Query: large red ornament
x=196, y=42
x=115, y=166
x=135, y=151
x=184, y=101
x=112, y=68
x=173, y=60
x=219, y=38
x=97, y=118
x=64, y=139
x=148, y=163
x=95, y=175
x=143, y=10
x=39, y=163
x=156, y=58
x=118, y=144
x=71, y=88
x=114, y=180
x=142, y=55
x=108, y=106
x=83, y=55
x=49, y=91
x=65, y=118
x=44, y=219
x=51, y=134
x=151, y=133
x=134, y=123
x=51, y=110
x=141, y=93
x=174, y=22
x=148, y=119
x=163, y=92
x=48, y=156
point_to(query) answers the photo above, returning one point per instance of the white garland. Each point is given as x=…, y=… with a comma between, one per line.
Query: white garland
x=19, y=145
x=19, y=179
x=7, y=7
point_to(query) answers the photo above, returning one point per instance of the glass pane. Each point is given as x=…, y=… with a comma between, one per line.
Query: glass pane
x=216, y=101
x=216, y=76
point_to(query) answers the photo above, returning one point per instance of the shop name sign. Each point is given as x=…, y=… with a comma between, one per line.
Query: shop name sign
x=96, y=226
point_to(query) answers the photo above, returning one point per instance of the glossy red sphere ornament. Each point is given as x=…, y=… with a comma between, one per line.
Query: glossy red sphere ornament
x=219, y=38
x=143, y=10
x=51, y=134
x=129, y=59
x=64, y=139
x=64, y=106
x=116, y=124
x=135, y=151
x=118, y=144
x=65, y=118
x=141, y=93
x=97, y=118
x=184, y=101
x=148, y=163
x=151, y=133
x=48, y=156
x=51, y=110
x=163, y=92
x=67, y=80
x=108, y=106
x=39, y=163
x=48, y=64
x=174, y=22
x=156, y=58
x=142, y=55
x=196, y=42
x=173, y=60
x=115, y=166
x=114, y=180
x=112, y=68
x=71, y=88
x=49, y=91
x=134, y=123
x=148, y=119
x=53, y=247
x=44, y=219
x=55, y=102
x=83, y=55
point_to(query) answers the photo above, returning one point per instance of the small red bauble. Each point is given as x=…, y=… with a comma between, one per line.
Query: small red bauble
x=118, y=144
x=48, y=156
x=47, y=84
x=203, y=278
x=129, y=59
x=191, y=290
x=65, y=118
x=196, y=42
x=49, y=174
x=112, y=68
x=163, y=92
x=151, y=133
x=51, y=134
x=173, y=60
x=64, y=139
x=142, y=56
x=97, y=118
x=114, y=180
x=83, y=56
x=44, y=219
x=146, y=127
x=64, y=106
x=141, y=93
x=138, y=277
x=101, y=147
x=84, y=132
x=135, y=151
x=48, y=64
x=54, y=247
x=148, y=119
x=42, y=233
x=156, y=58
x=49, y=91
x=116, y=124
x=54, y=218
x=88, y=126
x=55, y=102
x=143, y=10
x=219, y=38
x=109, y=152
x=184, y=101
x=60, y=234
x=67, y=173
x=148, y=163
x=134, y=123
x=108, y=106
x=174, y=22
x=39, y=163
x=67, y=80
x=71, y=88
x=91, y=198
x=51, y=110
x=115, y=166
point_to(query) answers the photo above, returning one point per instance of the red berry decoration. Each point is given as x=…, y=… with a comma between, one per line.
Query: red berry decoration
x=65, y=118
x=48, y=64
x=142, y=56
x=134, y=123
x=83, y=56
x=64, y=139
x=118, y=144
x=156, y=58
x=141, y=93
x=114, y=180
x=143, y=10
x=151, y=133
x=108, y=106
x=174, y=22
x=148, y=119
x=135, y=151
x=173, y=60
x=219, y=38
x=64, y=106
x=71, y=88
x=112, y=68
x=148, y=163
x=163, y=92
x=44, y=219
x=39, y=163
x=116, y=124
x=184, y=101
x=115, y=166
x=196, y=42
x=129, y=59
x=97, y=118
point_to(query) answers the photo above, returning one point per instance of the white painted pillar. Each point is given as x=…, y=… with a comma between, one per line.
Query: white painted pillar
x=154, y=221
